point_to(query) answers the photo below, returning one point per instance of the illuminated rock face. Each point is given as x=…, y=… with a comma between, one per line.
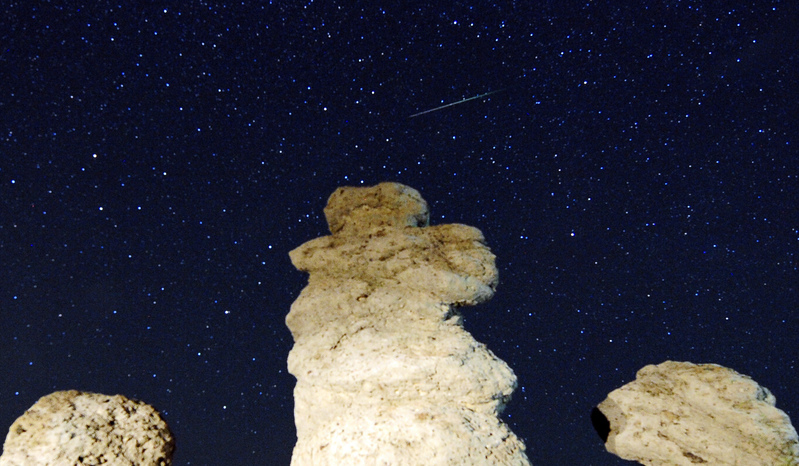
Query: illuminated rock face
x=72, y=427
x=386, y=374
x=678, y=413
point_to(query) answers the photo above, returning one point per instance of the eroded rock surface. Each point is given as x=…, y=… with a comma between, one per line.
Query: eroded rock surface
x=72, y=427
x=386, y=374
x=679, y=413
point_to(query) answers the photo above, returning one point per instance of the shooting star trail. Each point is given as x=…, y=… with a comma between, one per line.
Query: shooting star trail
x=456, y=103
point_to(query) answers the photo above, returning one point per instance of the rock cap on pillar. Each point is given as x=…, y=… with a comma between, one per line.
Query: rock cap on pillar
x=357, y=210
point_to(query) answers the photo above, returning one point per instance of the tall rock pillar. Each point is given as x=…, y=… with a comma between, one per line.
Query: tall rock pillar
x=386, y=373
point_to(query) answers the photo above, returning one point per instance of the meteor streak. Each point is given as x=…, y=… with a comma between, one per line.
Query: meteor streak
x=456, y=103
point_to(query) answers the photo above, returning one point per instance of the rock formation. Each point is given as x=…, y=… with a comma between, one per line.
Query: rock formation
x=72, y=427
x=678, y=413
x=385, y=372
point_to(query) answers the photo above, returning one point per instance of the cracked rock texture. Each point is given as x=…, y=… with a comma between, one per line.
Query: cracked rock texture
x=79, y=428
x=679, y=413
x=386, y=374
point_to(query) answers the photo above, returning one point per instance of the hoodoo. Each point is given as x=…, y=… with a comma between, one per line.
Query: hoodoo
x=386, y=373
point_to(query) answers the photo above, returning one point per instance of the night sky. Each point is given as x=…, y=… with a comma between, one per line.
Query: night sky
x=636, y=175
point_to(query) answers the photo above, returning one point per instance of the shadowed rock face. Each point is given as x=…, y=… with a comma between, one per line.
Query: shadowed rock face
x=72, y=427
x=678, y=413
x=385, y=372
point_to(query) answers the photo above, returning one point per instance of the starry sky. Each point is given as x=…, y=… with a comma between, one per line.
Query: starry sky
x=634, y=170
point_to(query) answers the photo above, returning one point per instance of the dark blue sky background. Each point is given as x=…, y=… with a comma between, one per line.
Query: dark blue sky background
x=636, y=177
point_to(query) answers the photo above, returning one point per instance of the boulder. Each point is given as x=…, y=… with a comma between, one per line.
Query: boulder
x=679, y=413
x=73, y=427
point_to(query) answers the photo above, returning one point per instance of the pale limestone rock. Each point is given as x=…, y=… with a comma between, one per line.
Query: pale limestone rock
x=679, y=413
x=387, y=204
x=386, y=374
x=70, y=427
